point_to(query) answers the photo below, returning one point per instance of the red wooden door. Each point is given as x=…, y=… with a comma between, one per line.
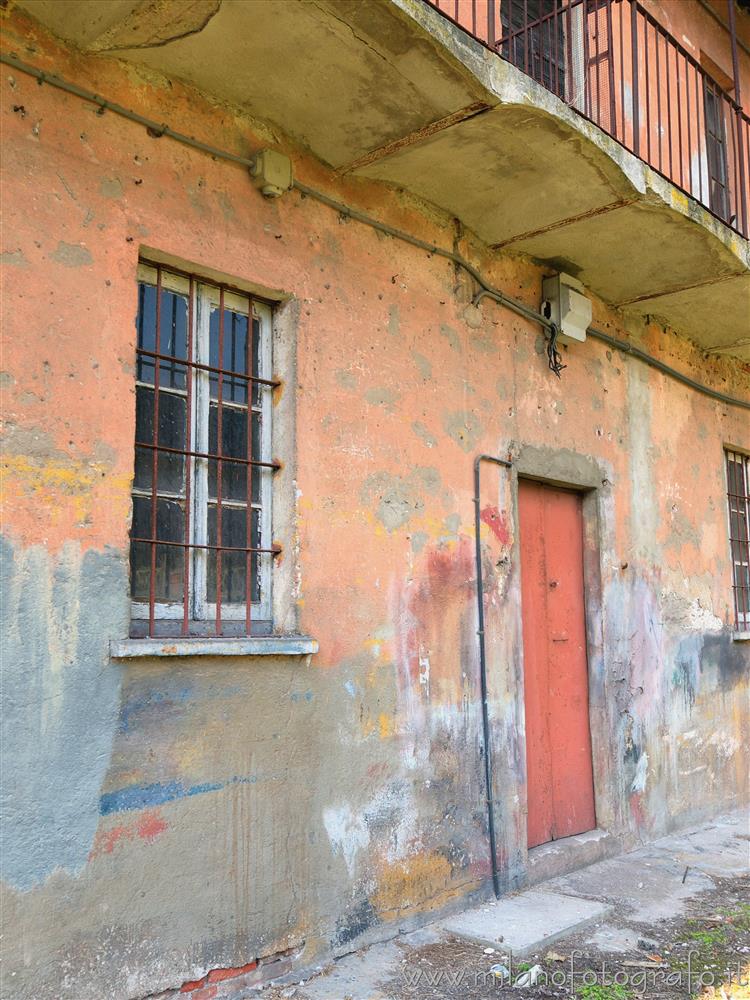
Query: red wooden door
x=560, y=786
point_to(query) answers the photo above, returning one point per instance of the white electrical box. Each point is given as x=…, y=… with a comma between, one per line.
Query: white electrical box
x=272, y=172
x=565, y=304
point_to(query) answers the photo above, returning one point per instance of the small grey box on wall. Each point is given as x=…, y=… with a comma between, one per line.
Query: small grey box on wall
x=565, y=304
x=271, y=172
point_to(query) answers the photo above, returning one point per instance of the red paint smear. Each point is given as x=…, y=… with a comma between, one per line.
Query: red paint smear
x=636, y=809
x=437, y=596
x=148, y=827
x=495, y=521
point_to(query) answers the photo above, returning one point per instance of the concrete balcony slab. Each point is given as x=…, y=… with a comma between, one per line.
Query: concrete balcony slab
x=392, y=91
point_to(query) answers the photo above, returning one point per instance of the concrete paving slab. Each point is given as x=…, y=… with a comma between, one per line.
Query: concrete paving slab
x=645, y=887
x=525, y=923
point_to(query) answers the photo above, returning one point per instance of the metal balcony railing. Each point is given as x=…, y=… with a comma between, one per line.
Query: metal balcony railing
x=616, y=65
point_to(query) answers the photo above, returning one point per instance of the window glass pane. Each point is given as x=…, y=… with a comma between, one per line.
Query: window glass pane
x=233, y=564
x=234, y=359
x=234, y=445
x=170, y=559
x=173, y=316
x=172, y=434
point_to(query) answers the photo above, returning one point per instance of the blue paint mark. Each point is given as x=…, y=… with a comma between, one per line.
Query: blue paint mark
x=144, y=796
x=163, y=699
x=296, y=696
x=351, y=688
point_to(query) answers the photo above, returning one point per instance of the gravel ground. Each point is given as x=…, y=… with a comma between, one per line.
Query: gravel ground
x=686, y=956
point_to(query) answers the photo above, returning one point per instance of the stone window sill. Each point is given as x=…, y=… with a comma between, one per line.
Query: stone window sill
x=741, y=636
x=272, y=645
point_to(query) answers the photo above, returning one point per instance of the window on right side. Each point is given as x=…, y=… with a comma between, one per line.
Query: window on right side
x=738, y=501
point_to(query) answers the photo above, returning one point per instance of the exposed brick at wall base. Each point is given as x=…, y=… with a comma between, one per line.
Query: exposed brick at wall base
x=231, y=983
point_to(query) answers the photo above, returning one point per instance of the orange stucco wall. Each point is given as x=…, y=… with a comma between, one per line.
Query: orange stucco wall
x=171, y=817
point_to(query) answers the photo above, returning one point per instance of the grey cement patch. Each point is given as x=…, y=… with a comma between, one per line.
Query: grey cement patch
x=526, y=923
x=451, y=336
x=463, y=427
x=61, y=700
x=424, y=433
x=424, y=365
x=382, y=396
x=72, y=254
x=111, y=187
x=13, y=257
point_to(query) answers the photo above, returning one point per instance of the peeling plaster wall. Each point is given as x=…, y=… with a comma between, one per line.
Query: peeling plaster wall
x=171, y=817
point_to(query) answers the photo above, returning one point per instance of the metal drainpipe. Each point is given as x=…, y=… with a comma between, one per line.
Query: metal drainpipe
x=483, y=667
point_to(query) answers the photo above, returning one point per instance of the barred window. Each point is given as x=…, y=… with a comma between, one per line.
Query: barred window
x=738, y=495
x=200, y=550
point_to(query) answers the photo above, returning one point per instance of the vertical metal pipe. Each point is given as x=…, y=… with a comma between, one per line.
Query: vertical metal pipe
x=680, y=149
x=569, y=87
x=219, y=463
x=689, y=130
x=648, y=94
x=669, y=110
x=586, y=60
x=658, y=98
x=636, y=100
x=735, y=61
x=155, y=462
x=611, y=73
x=483, y=668
x=621, y=18
x=491, y=23
x=742, y=194
x=556, y=29
x=526, y=36
x=597, y=33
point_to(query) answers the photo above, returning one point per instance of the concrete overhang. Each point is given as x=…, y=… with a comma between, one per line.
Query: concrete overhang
x=390, y=90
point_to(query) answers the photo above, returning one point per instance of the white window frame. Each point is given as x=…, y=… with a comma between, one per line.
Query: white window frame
x=206, y=298
x=742, y=619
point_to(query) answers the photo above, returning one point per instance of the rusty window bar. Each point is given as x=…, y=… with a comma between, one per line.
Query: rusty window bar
x=272, y=383
x=648, y=53
x=738, y=509
x=207, y=454
x=273, y=549
x=175, y=375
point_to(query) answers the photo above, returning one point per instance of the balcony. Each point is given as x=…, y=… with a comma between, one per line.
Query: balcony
x=615, y=65
x=587, y=138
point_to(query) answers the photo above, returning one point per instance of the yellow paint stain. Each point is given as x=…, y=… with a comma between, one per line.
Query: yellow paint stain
x=65, y=489
x=386, y=726
x=421, y=882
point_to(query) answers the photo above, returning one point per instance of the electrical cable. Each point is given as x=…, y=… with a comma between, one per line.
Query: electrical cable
x=553, y=355
x=157, y=130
